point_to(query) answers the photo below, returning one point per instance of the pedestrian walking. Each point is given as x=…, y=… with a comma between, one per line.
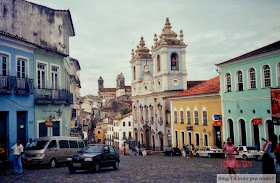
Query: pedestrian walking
x=18, y=150
x=30, y=143
x=193, y=149
x=277, y=158
x=229, y=150
x=183, y=153
x=3, y=159
x=187, y=151
x=124, y=151
x=144, y=152
x=269, y=158
x=137, y=151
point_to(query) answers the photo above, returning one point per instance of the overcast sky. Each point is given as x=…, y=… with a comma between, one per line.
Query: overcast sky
x=216, y=30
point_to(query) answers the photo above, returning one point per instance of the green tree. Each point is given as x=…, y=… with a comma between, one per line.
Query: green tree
x=125, y=111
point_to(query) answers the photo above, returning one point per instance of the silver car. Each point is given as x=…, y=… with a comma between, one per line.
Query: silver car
x=52, y=150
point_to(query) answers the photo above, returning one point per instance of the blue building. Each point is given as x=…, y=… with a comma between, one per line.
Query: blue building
x=16, y=90
x=246, y=83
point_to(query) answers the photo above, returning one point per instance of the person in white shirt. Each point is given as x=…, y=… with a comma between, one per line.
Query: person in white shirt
x=30, y=143
x=18, y=150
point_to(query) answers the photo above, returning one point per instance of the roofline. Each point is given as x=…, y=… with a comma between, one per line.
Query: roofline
x=236, y=58
x=29, y=42
x=194, y=96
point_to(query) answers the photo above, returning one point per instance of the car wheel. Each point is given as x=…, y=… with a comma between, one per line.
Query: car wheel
x=97, y=168
x=244, y=157
x=53, y=163
x=71, y=170
x=209, y=156
x=116, y=165
x=259, y=158
x=197, y=155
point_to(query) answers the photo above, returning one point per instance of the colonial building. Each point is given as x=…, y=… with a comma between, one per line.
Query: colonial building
x=36, y=50
x=156, y=75
x=109, y=135
x=113, y=100
x=123, y=130
x=195, y=115
x=246, y=85
x=75, y=85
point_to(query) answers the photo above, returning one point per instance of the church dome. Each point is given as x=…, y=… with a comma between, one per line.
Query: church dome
x=142, y=51
x=168, y=36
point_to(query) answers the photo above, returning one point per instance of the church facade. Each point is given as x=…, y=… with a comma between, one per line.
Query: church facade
x=155, y=76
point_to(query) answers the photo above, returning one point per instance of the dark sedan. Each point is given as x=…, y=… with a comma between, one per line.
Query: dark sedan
x=94, y=157
x=172, y=152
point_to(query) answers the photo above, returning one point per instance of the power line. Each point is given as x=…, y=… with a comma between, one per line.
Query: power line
x=17, y=103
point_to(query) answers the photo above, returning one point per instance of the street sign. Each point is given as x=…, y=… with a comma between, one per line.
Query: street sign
x=217, y=117
x=189, y=128
x=257, y=121
x=219, y=123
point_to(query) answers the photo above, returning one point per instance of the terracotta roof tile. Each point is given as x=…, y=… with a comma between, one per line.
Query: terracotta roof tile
x=191, y=84
x=206, y=87
x=265, y=49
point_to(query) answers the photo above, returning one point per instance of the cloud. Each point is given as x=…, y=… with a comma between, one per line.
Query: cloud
x=215, y=31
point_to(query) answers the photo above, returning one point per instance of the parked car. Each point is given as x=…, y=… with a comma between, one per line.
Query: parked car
x=210, y=151
x=94, y=156
x=52, y=150
x=246, y=152
x=170, y=151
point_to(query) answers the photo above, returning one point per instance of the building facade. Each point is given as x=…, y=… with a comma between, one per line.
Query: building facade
x=16, y=90
x=155, y=76
x=246, y=83
x=192, y=115
x=123, y=131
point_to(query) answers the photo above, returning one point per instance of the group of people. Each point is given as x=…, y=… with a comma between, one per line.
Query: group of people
x=270, y=160
x=188, y=151
x=17, y=152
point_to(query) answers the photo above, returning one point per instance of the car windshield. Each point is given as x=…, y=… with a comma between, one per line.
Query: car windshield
x=251, y=148
x=93, y=149
x=39, y=144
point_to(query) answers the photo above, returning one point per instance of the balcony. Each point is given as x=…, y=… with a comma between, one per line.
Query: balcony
x=5, y=84
x=24, y=86
x=51, y=96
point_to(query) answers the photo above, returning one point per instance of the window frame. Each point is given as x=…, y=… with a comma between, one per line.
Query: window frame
x=46, y=73
x=278, y=74
x=202, y=115
x=226, y=82
x=263, y=76
x=8, y=63
x=250, y=80
x=26, y=60
x=58, y=76
x=194, y=117
x=237, y=75
x=158, y=63
x=175, y=116
x=177, y=62
x=181, y=114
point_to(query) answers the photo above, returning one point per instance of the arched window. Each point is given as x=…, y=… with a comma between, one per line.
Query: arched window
x=266, y=76
x=228, y=82
x=123, y=123
x=242, y=132
x=134, y=73
x=230, y=130
x=129, y=134
x=252, y=78
x=239, y=77
x=158, y=63
x=174, y=61
x=124, y=136
x=129, y=123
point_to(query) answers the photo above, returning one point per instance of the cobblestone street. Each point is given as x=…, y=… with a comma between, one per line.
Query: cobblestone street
x=153, y=168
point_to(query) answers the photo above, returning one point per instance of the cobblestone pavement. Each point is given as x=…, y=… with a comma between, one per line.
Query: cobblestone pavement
x=154, y=168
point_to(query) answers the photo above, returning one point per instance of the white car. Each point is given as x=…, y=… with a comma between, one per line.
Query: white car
x=209, y=152
x=247, y=152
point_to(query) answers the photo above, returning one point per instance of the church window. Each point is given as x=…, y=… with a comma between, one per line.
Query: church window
x=134, y=73
x=158, y=63
x=174, y=61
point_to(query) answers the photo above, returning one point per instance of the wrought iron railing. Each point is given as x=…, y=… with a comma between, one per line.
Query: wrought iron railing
x=44, y=96
x=24, y=85
x=5, y=84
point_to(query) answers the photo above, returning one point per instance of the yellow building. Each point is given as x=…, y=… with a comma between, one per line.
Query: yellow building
x=192, y=114
x=99, y=136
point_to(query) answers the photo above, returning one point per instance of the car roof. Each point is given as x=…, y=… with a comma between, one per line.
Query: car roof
x=59, y=138
x=100, y=145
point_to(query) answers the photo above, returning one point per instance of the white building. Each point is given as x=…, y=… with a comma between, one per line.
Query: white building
x=122, y=130
x=109, y=135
